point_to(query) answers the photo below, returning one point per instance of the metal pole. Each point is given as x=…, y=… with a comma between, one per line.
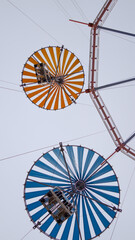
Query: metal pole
x=132, y=136
x=68, y=94
x=101, y=165
x=117, y=31
x=62, y=150
x=105, y=28
x=116, y=83
x=112, y=207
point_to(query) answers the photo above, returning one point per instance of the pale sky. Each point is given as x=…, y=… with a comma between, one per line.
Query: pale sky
x=26, y=26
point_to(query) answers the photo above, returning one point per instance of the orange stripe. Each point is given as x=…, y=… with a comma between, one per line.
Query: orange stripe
x=47, y=97
x=52, y=56
x=71, y=92
x=58, y=56
x=30, y=95
x=43, y=61
x=32, y=60
x=75, y=77
x=32, y=88
x=75, y=82
x=64, y=59
x=29, y=67
x=39, y=57
x=75, y=88
x=62, y=99
x=39, y=97
x=52, y=99
x=29, y=74
x=69, y=61
x=29, y=80
x=73, y=65
x=57, y=99
x=69, y=101
x=48, y=60
x=77, y=70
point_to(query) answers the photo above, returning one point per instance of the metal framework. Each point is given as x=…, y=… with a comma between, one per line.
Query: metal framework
x=93, y=80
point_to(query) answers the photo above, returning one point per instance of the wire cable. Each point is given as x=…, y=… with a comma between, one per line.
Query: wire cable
x=21, y=154
x=85, y=104
x=26, y=234
x=35, y=23
x=80, y=10
x=123, y=202
x=113, y=88
x=9, y=82
x=11, y=89
x=65, y=12
x=50, y=146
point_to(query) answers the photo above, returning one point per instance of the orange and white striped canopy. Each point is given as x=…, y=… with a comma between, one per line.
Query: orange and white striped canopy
x=61, y=64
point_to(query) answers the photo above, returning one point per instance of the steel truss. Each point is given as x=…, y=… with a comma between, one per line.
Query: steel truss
x=93, y=81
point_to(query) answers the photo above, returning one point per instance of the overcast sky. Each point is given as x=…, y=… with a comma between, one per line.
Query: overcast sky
x=26, y=26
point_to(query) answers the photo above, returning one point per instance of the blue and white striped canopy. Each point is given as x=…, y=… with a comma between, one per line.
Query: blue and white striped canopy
x=95, y=202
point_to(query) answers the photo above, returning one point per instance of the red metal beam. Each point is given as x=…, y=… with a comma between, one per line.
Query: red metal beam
x=105, y=115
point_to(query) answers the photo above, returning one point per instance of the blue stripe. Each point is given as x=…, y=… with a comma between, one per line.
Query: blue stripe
x=95, y=166
x=49, y=169
x=101, y=172
x=106, y=188
x=85, y=222
x=47, y=223
x=38, y=214
x=67, y=229
x=30, y=184
x=102, y=218
x=105, y=180
x=34, y=205
x=80, y=151
x=50, y=159
x=55, y=230
x=76, y=230
x=108, y=210
x=34, y=185
x=93, y=219
x=45, y=176
x=72, y=158
x=87, y=162
x=59, y=155
x=30, y=195
x=106, y=196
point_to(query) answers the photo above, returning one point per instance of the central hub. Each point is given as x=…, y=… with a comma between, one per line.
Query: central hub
x=60, y=80
x=80, y=185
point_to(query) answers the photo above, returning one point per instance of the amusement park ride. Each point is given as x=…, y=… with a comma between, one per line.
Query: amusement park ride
x=72, y=192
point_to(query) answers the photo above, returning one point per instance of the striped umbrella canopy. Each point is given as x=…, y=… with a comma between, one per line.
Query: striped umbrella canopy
x=86, y=179
x=63, y=83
